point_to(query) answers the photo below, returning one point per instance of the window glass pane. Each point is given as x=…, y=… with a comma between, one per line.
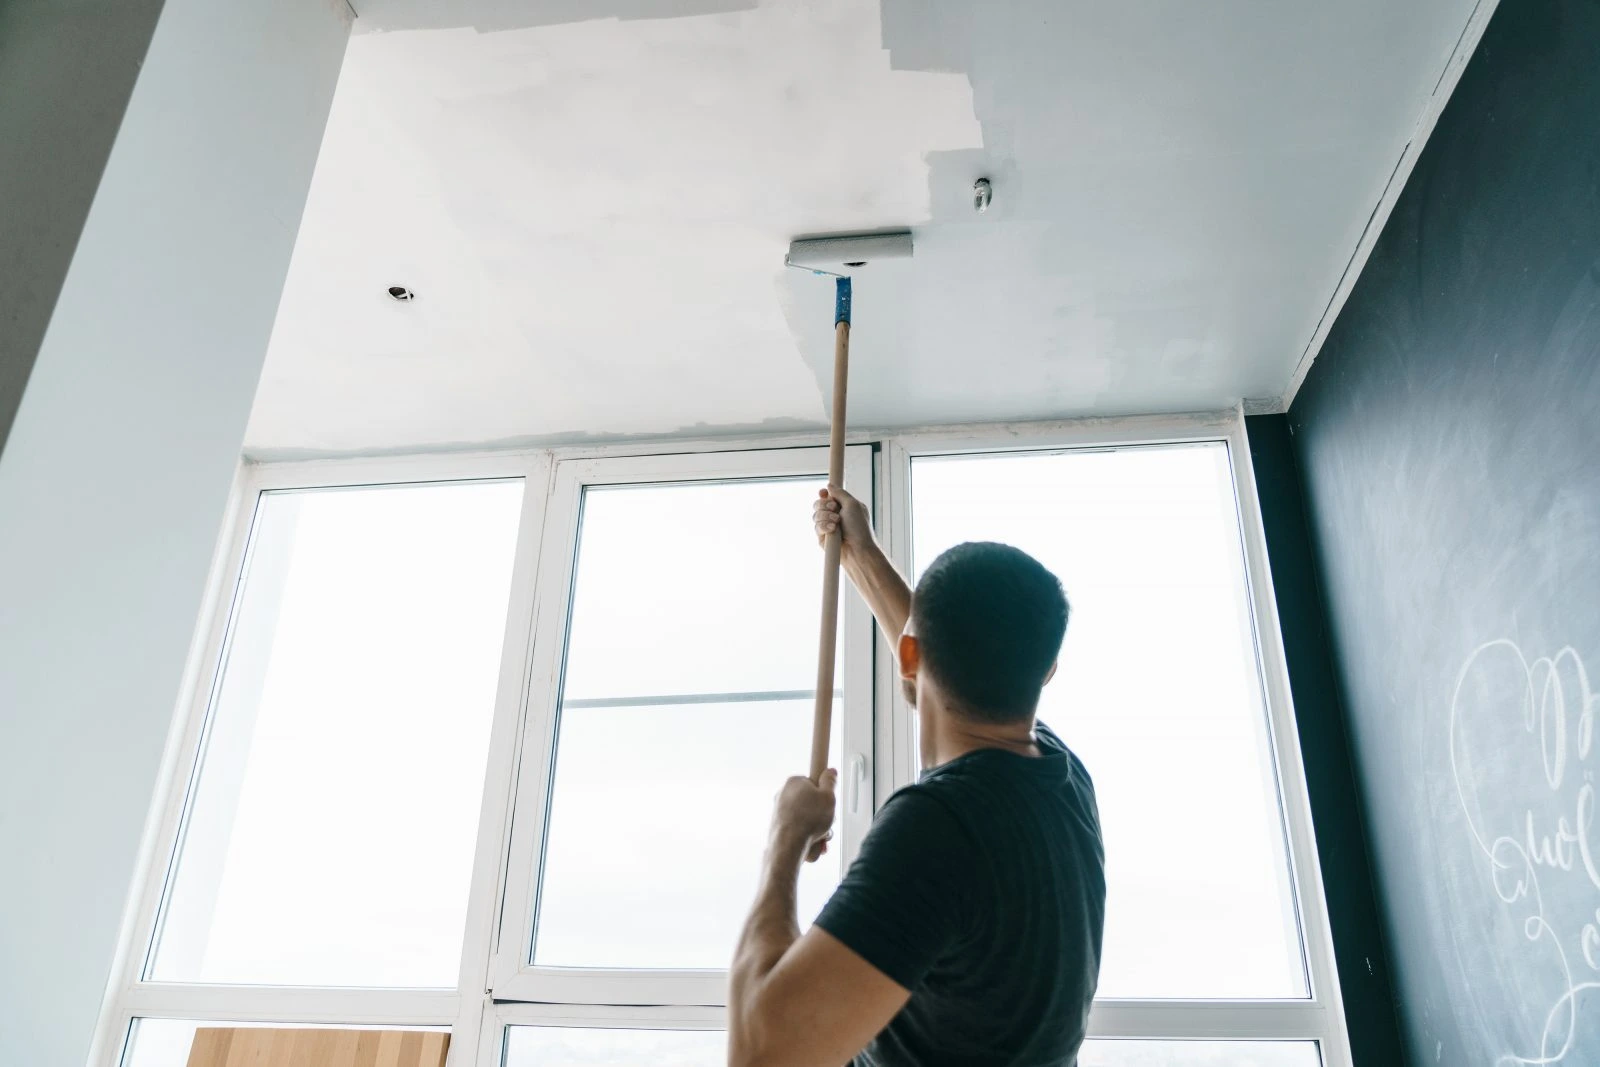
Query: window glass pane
x=159, y=1043
x=657, y=826
x=694, y=611
x=331, y=836
x=1199, y=1054
x=1158, y=692
x=570, y=1046
x=695, y=588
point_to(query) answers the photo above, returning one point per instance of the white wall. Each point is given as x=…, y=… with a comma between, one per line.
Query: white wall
x=116, y=470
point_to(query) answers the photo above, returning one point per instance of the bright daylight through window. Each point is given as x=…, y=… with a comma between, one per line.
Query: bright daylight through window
x=329, y=838
x=643, y=637
x=1158, y=692
x=687, y=700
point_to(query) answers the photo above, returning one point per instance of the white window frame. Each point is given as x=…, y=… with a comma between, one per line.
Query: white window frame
x=1320, y=1015
x=516, y=979
x=130, y=995
x=495, y=988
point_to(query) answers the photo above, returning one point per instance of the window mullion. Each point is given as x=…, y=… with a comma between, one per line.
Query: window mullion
x=1305, y=865
x=897, y=762
x=858, y=794
x=674, y=699
x=499, y=787
x=292, y=1005
x=536, y=699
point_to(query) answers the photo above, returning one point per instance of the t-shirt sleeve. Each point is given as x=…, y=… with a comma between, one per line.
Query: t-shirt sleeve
x=905, y=900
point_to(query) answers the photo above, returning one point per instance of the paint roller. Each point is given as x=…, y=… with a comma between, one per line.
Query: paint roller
x=841, y=256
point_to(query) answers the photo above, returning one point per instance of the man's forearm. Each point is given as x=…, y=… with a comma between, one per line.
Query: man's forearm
x=882, y=587
x=769, y=931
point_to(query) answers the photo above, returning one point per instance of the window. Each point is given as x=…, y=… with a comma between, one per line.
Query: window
x=159, y=1043
x=1163, y=690
x=1158, y=691
x=691, y=660
x=512, y=725
x=681, y=667
x=329, y=840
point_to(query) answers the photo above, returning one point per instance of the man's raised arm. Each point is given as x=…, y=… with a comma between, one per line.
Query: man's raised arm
x=886, y=592
x=800, y=1001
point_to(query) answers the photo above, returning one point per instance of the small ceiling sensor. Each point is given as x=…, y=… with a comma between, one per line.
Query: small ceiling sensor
x=982, y=193
x=400, y=292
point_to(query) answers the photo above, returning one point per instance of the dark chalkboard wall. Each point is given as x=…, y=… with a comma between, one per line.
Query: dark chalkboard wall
x=1359, y=947
x=1449, y=442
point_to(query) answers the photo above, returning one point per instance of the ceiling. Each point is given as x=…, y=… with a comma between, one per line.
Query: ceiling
x=591, y=200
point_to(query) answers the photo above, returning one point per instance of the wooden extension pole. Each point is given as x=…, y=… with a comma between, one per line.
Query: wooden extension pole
x=822, y=719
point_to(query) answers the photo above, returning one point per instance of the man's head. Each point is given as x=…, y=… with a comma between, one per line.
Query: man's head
x=986, y=626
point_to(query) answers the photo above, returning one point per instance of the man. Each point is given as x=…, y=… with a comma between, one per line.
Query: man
x=968, y=929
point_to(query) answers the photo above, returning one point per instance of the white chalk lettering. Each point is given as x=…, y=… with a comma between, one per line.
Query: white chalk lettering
x=1549, y=692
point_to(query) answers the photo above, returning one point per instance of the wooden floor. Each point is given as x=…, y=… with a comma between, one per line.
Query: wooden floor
x=271, y=1047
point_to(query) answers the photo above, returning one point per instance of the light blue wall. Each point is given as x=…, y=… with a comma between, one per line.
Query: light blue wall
x=116, y=470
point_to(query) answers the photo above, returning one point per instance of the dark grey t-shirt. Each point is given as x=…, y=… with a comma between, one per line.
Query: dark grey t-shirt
x=982, y=890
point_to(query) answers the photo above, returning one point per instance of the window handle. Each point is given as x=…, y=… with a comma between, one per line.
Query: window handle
x=855, y=785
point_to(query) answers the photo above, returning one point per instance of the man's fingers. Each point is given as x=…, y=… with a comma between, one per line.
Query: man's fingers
x=827, y=515
x=808, y=808
x=818, y=847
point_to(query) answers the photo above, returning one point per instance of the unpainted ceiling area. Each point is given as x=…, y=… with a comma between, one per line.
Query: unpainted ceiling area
x=592, y=200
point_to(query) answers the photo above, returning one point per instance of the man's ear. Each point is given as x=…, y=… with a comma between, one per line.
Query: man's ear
x=910, y=656
x=1050, y=674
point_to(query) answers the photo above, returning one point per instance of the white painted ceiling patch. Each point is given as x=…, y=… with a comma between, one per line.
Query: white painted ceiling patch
x=591, y=200
x=594, y=215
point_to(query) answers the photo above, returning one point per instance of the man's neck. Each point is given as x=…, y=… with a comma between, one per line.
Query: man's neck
x=950, y=736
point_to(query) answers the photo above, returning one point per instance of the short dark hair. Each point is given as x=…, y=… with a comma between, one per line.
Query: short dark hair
x=990, y=619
